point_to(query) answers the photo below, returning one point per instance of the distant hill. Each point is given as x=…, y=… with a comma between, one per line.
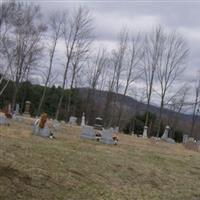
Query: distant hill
x=130, y=104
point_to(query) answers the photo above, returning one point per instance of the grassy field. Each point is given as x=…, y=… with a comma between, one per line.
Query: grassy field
x=70, y=168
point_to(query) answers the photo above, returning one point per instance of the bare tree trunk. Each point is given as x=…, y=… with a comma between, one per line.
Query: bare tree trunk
x=16, y=88
x=55, y=24
x=47, y=81
x=160, y=116
x=149, y=97
x=195, y=108
x=77, y=42
x=69, y=96
x=62, y=91
x=4, y=87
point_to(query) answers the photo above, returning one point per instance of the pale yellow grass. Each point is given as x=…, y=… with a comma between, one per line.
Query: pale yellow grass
x=70, y=168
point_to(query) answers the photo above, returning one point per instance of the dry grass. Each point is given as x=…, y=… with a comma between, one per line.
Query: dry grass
x=70, y=168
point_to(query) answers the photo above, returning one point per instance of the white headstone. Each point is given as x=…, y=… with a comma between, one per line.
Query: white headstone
x=83, y=120
x=17, y=109
x=185, y=138
x=145, y=131
x=166, y=132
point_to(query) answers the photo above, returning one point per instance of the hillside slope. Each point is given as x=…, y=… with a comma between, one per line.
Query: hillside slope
x=70, y=168
x=130, y=104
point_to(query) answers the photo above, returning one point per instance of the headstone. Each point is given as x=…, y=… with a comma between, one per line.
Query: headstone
x=73, y=120
x=107, y=136
x=56, y=125
x=43, y=132
x=27, y=108
x=17, y=109
x=16, y=112
x=170, y=140
x=3, y=120
x=83, y=120
x=145, y=132
x=166, y=132
x=88, y=133
x=185, y=138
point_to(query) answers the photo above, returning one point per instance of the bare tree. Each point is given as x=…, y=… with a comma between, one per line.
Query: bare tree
x=119, y=56
x=170, y=65
x=7, y=11
x=76, y=65
x=176, y=103
x=77, y=35
x=152, y=51
x=22, y=42
x=55, y=24
x=96, y=66
x=196, y=106
x=132, y=70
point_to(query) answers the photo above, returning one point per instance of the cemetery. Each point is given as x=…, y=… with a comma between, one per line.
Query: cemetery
x=137, y=164
x=99, y=100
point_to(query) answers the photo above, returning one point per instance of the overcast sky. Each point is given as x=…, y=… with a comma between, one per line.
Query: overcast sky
x=111, y=16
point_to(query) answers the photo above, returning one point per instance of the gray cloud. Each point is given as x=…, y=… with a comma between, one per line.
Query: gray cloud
x=110, y=16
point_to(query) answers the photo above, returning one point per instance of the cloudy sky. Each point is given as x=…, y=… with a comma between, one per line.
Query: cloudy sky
x=111, y=16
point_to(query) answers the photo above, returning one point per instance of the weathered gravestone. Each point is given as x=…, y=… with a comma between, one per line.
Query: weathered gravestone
x=3, y=120
x=43, y=132
x=55, y=125
x=73, y=120
x=185, y=138
x=145, y=132
x=107, y=136
x=83, y=120
x=165, y=136
x=16, y=113
x=88, y=133
x=166, y=132
x=27, y=108
x=17, y=109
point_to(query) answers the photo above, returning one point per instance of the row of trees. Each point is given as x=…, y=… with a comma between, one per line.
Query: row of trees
x=155, y=60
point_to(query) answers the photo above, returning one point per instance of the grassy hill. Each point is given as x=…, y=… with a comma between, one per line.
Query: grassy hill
x=70, y=168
